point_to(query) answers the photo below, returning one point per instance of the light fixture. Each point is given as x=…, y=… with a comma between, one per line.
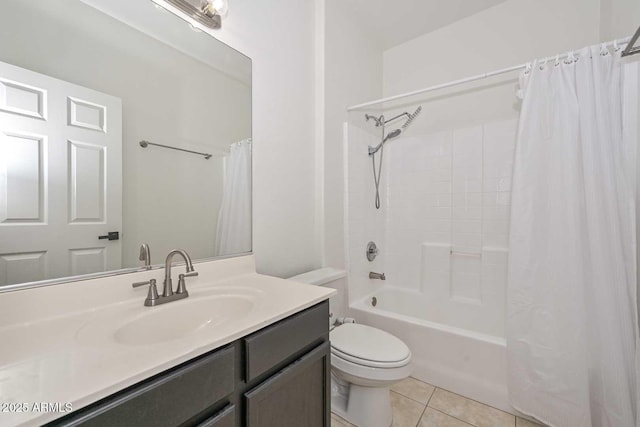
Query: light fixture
x=206, y=12
x=212, y=8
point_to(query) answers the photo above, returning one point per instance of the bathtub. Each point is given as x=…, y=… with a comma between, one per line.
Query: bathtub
x=460, y=356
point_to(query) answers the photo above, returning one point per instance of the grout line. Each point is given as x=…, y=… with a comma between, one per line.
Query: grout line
x=342, y=420
x=421, y=415
x=432, y=393
x=455, y=418
x=415, y=401
x=410, y=398
x=480, y=403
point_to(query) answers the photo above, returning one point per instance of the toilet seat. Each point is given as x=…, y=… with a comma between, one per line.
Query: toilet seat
x=369, y=347
x=370, y=363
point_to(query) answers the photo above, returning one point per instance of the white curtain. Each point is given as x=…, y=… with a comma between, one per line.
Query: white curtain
x=572, y=321
x=233, y=234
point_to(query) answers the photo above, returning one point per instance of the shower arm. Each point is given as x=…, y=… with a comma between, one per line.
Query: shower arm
x=382, y=121
x=397, y=117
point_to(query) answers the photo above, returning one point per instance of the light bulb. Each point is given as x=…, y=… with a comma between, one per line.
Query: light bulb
x=221, y=7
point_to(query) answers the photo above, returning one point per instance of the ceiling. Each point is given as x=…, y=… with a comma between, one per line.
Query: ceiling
x=393, y=22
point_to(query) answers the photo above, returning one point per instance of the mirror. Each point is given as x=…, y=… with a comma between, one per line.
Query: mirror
x=120, y=124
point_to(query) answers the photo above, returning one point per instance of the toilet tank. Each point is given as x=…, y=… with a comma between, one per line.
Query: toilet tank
x=331, y=278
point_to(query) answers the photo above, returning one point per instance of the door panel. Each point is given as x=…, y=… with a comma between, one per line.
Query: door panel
x=87, y=182
x=22, y=99
x=22, y=180
x=60, y=176
x=87, y=115
x=23, y=267
x=87, y=261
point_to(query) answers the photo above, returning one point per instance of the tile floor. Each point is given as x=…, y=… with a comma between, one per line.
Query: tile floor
x=418, y=404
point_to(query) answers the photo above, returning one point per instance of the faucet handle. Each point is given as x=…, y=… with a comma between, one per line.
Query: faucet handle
x=182, y=285
x=153, y=290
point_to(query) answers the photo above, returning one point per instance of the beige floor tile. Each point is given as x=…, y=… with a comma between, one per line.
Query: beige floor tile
x=433, y=418
x=337, y=421
x=472, y=412
x=414, y=389
x=406, y=412
x=521, y=422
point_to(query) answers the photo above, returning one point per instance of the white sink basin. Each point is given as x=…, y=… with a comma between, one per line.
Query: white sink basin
x=133, y=324
x=180, y=320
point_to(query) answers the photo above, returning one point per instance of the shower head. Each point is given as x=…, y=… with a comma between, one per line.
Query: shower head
x=393, y=134
x=411, y=118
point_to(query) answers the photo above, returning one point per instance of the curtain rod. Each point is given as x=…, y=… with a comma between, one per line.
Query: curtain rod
x=630, y=49
x=467, y=79
x=145, y=144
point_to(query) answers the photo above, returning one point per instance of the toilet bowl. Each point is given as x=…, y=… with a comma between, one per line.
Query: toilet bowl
x=365, y=361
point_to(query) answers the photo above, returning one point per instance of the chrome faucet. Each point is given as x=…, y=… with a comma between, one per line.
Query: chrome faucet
x=168, y=284
x=380, y=276
x=145, y=255
x=168, y=295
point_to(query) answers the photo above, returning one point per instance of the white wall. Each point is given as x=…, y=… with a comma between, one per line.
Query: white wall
x=279, y=36
x=352, y=73
x=170, y=199
x=507, y=34
x=618, y=18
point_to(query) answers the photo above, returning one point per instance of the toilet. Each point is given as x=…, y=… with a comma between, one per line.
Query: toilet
x=365, y=361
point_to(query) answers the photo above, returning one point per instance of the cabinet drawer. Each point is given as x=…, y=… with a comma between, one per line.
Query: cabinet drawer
x=169, y=400
x=296, y=396
x=285, y=339
x=224, y=418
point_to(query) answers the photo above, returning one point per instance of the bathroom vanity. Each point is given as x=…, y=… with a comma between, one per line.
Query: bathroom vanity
x=243, y=349
x=278, y=376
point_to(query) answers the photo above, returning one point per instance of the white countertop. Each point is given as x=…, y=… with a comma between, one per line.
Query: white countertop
x=46, y=357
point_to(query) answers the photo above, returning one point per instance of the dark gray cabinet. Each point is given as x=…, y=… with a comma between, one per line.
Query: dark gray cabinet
x=276, y=377
x=225, y=418
x=292, y=396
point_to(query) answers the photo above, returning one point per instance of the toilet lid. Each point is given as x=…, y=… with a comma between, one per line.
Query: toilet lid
x=368, y=344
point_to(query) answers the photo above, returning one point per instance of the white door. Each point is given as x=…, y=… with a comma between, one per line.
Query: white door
x=60, y=178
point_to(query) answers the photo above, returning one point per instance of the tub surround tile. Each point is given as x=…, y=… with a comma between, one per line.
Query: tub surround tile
x=406, y=412
x=414, y=389
x=470, y=411
x=435, y=418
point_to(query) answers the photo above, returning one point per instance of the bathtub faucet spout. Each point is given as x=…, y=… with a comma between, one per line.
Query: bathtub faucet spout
x=380, y=276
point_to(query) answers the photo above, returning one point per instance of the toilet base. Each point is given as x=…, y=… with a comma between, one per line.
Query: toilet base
x=361, y=406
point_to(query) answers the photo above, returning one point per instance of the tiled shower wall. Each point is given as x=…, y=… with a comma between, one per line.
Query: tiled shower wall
x=444, y=221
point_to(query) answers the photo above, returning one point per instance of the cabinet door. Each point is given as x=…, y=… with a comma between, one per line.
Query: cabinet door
x=167, y=400
x=299, y=395
x=224, y=418
x=273, y=346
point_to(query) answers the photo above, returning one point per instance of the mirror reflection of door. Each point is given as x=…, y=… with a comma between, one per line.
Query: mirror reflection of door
x=60, y=178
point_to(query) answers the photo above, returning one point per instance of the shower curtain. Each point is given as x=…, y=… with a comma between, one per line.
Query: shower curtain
x=233, y=234
x=572, y=324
